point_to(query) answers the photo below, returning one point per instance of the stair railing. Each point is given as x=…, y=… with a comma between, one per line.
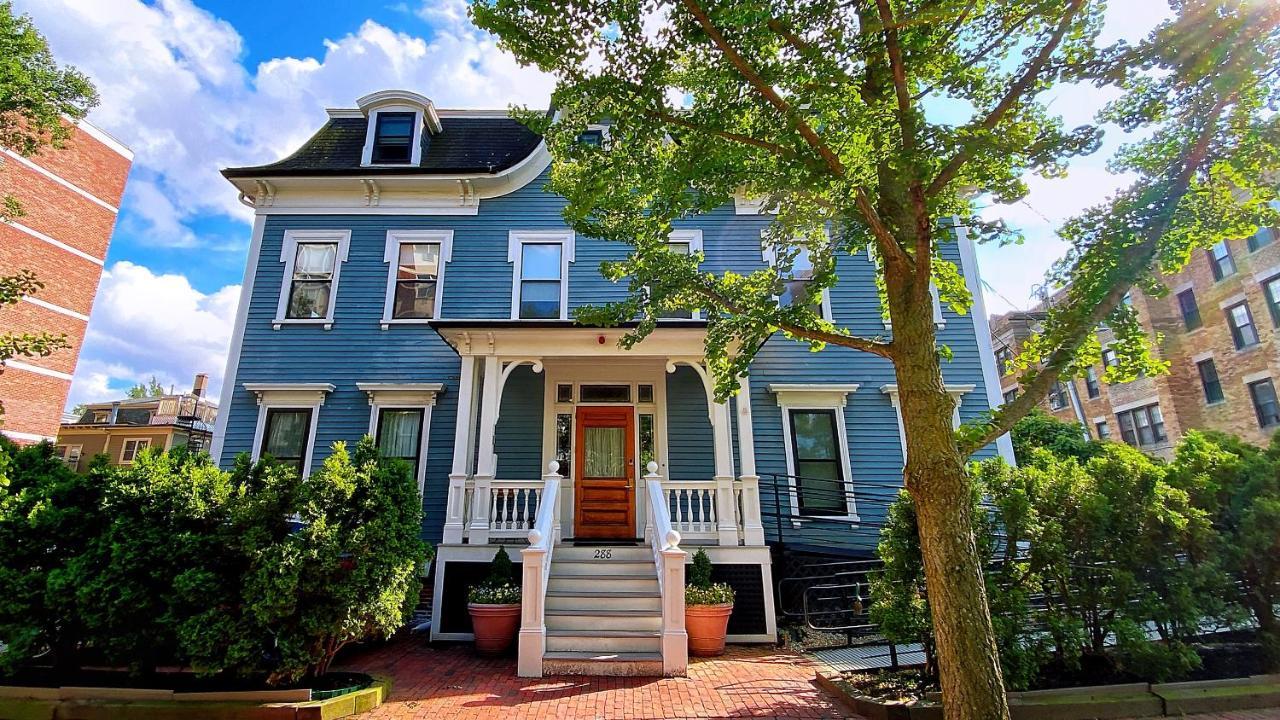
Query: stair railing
x=669, y=561
x=536, y=570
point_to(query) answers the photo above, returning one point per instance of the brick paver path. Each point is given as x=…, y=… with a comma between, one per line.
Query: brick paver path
x=450, y=682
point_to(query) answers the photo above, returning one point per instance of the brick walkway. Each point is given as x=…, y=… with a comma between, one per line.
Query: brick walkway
x=450, y=682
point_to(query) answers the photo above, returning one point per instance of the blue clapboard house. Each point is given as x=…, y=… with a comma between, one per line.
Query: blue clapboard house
x=409, y=278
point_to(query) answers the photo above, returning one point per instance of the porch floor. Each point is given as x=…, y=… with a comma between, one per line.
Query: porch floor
x=449, y=682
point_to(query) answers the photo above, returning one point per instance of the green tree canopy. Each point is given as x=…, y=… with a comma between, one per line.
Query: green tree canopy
x=825, y=111
x=151, y=388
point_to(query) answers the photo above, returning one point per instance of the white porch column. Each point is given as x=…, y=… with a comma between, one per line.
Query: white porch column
x=486, y=459
x=721, y=422
x=455, y=504
x=752, y=527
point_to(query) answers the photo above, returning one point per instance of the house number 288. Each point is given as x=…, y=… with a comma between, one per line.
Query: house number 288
x=604, y=554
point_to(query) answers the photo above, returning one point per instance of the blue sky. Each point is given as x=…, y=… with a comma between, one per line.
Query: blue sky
x=194, y=87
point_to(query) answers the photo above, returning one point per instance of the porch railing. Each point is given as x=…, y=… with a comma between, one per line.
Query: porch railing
x=692, y=506
x=513, y=506
x=536, y=570
x=669, y=561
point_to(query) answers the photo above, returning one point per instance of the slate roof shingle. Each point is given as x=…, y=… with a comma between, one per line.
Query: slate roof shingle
x=465, y=145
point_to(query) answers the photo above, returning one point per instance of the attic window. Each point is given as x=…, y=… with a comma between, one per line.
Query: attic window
x=393, y=137
x=593, y=138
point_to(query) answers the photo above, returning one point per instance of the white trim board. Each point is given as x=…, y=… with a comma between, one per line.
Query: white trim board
x=19, y=365
x=56, y=243
x=982, y=331
x=237, y=340
x=30, y=164
x=816, y=396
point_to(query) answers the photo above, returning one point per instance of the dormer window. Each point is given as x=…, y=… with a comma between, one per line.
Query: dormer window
x=393, y=137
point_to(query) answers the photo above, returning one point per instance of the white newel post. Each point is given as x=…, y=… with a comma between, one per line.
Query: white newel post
x=486, y=460
x=752, y=526
x=669, y=559
x=535, y=570
x=455, y=503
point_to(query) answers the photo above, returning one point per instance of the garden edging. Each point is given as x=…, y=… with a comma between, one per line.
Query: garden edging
x=1087, y=703
x=80, y=703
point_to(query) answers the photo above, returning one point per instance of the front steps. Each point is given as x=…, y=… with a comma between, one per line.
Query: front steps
x=603, y=612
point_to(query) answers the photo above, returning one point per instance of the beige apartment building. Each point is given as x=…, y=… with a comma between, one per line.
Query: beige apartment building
x=1217, y=328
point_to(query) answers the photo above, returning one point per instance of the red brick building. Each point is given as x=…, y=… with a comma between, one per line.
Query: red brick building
x=71, y=198
x=1219, y=329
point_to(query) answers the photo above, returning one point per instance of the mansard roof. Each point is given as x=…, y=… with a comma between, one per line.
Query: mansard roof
x=466, y=144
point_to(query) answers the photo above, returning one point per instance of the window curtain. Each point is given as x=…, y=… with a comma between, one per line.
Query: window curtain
x=315, y=261
x=287, y=434
x=399, y=433
x=604, y=451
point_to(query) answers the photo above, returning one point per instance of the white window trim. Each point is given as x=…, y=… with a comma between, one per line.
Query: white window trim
x=957, y=393
x=404, y=396
x=816, y=396
x=124, y=444
x=415, y=143
x=66, y=451
x=770, y=257
x=289, y=254
x=694, y=240
x=391, y=255
x=516, y=239
x=289, y=396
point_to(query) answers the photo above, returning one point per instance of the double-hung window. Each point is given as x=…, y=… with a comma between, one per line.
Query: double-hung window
x=1058, y=396
x=131, y=448
x=1220, y=260
x=541, y=260
x=1243, y=332
x=393, y=138
x=1091, y=382
x=1264, y=237
x=683, y=242
x=1109, y=359
x=1142, y=427
x=820, y=483
x=797, y=281
x=415, y=282
x=313, y=260
x=1104, y=432
x=1189, y=309
x=1209, y=381
x=1271, y=288
x=286, y=435
x=399, y=434
x=1263, y=393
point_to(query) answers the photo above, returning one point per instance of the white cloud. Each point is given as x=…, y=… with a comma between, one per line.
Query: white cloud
x=145, y=325
x=173, y=89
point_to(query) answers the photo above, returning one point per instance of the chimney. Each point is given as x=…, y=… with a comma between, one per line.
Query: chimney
x=115, y=413
x=197, y=389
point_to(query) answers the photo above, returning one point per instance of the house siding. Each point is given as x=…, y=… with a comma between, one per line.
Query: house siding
x=477, y=285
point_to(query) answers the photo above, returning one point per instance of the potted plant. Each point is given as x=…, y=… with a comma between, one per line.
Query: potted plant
x=495, y=608
x=707, y=607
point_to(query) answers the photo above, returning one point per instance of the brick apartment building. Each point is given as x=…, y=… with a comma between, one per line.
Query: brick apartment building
x=1219, y=328
x=71, y=197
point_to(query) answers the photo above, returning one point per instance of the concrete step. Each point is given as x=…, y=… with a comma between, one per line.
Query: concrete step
x=634, y=664
x=585, y=553
x=602, y=567
x=589, y=601
x=601, y=583
x=604, y=620
x=604, y=641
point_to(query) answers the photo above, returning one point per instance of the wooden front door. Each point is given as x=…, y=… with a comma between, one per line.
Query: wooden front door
x=604, y=502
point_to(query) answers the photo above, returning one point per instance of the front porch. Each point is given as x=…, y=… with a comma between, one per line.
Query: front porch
x=624, y=460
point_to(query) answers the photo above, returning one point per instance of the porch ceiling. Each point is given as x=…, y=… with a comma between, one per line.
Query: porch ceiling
x=564, y=338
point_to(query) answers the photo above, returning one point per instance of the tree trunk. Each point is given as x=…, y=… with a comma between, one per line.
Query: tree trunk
x=968, y=662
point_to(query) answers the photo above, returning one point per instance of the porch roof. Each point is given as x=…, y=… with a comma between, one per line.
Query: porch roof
x=565, y=338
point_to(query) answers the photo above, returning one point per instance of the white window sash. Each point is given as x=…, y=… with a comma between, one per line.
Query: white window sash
x=289, y=255
x=516, y=240
x=391, y=256
x=770, y=256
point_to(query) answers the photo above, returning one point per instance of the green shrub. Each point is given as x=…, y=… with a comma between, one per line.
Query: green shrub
x=499, y=587
x=699, y=589
x=1039, y=429
x=49, y=515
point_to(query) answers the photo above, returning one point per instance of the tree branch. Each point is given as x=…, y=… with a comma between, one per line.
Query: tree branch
x=772, y=147
x=1024, y=83
x=889, y=244
x=875, y=347
x=899, y=72
x=1141, y=256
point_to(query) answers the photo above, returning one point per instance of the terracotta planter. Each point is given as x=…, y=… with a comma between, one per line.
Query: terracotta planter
x=495, y=627
x=707, y=626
